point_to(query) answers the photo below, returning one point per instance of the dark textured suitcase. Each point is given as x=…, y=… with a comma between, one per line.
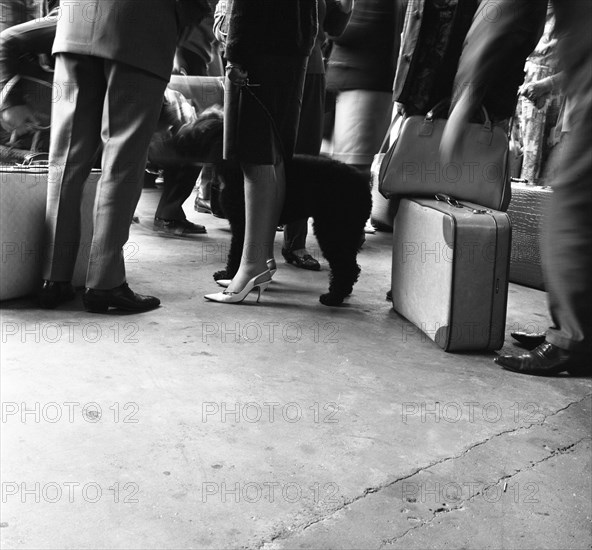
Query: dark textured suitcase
x=526, y=210
x=450, y=272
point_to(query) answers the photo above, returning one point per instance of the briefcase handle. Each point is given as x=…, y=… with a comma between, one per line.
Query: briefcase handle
x=427, y=128
x=384, y=146
x=445, y=103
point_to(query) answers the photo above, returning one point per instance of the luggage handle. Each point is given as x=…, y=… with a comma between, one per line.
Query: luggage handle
x=35, y=160
x=486, y=136
x=446, y=102
x=396, y=117
x=442, y=197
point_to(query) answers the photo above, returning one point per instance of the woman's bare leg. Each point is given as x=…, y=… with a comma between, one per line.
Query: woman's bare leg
x=264, y=197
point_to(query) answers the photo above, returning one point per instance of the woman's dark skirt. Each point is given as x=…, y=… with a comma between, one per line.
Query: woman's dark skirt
x=261, y=120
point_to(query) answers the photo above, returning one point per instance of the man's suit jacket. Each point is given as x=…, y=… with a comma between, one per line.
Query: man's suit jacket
x=141, y=33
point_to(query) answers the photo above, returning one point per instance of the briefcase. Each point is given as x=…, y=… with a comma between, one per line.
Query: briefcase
x=450, y=271
x=23, y=197
x=412, y=165
x=526, y=211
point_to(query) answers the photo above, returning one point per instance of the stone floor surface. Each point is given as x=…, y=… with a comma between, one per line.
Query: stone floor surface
x=279, y=424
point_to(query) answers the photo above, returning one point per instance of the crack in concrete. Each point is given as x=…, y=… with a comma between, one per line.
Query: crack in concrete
x=461, y=506
x=284, y=533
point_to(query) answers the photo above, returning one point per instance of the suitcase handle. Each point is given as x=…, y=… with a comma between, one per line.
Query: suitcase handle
x=37, y=160
x=442, y=197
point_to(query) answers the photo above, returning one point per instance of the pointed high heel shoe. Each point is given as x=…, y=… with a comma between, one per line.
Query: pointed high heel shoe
x=225, y=283
x=227, y=297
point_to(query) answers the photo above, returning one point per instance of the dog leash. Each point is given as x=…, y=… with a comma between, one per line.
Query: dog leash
x=247, y=86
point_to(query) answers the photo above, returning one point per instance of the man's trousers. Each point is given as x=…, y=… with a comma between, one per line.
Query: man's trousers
x=100, y=105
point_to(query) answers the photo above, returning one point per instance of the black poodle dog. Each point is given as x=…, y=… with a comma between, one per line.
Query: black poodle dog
x=336, y=196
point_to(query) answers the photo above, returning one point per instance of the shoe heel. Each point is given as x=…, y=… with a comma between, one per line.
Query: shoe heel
x=261, y=288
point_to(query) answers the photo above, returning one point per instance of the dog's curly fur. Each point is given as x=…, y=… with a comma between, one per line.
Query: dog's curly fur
x=336, y=196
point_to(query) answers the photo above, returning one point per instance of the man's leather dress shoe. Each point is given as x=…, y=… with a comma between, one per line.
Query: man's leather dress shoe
x=529, y=340
x=544, y=360
x=121, y=297
x=54, y=293
x=202, y=205
x=304, y=262
x=179, y=228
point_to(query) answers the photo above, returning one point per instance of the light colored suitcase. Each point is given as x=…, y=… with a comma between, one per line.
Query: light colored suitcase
x=23, y=197
x=450, y=271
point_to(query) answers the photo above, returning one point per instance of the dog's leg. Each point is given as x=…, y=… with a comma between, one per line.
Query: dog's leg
x=236, y=247
x=344, y=274
x=340, y=251
x=237, y=228
x=232, y=202
x=338, y=199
